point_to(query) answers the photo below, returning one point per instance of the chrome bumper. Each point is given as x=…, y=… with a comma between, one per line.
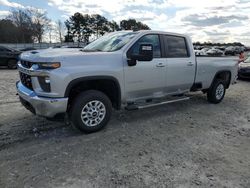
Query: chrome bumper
x=47, y=107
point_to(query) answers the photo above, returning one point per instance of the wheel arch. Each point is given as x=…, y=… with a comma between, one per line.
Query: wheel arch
x=113, y=91
x=225, y=75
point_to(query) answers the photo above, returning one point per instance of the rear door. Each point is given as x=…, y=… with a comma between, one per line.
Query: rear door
x=181, y=64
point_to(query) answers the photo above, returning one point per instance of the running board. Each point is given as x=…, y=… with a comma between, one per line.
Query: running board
x=137, y=107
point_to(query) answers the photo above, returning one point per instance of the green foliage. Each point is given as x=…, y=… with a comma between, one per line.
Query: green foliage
x=40, y=23
x=24, y=26
x=132, y=24
x=82, y=27
x=22, y=20
x=113, y=26
x=8, y=32
x=30, y=25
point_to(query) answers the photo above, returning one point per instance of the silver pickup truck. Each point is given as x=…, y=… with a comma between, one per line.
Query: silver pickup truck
x=125, y=69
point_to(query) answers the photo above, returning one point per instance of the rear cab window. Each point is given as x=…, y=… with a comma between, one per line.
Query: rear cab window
x=175, y=47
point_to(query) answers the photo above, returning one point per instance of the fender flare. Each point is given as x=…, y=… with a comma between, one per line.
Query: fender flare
x=221, y=71
x=76, y=81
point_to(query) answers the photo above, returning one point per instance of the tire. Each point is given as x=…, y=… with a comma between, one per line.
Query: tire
x=216, y=92
x=91, y=111
x=12, y=64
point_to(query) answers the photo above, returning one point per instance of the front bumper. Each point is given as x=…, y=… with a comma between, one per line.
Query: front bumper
x=43, y=106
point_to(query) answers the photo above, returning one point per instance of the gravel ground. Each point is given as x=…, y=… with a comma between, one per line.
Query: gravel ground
x=186, y=144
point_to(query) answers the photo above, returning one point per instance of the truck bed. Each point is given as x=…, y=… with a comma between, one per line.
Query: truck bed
x=207, y=67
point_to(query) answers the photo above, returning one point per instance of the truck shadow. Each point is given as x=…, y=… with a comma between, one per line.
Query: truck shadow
x=162, y=110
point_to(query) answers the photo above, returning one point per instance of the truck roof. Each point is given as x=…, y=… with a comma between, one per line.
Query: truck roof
x=156, y=32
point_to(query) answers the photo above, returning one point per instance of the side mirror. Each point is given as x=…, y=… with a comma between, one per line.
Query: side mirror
x=145, y=54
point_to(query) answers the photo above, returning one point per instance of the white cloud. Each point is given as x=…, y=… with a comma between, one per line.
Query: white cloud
x=39, y=10
x=203, y=20
x=10, y=4
x=96, y=6
x=213, y=20
x=140, y=15
x=4, y=14
x=202, y=4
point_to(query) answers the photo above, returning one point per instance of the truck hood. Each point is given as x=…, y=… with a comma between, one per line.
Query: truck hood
x=48, y=55
x=69, y=56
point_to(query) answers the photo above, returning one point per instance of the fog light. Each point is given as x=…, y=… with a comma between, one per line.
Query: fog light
x=47, y=80
x=44, y=83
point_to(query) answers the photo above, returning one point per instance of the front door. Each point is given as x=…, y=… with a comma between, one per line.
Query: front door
x=146, y=79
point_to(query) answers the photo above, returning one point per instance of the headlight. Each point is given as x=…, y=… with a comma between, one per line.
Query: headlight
x=53, y=65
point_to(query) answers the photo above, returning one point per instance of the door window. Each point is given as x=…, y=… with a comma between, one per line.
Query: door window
x=147, y=39
x=175, y=46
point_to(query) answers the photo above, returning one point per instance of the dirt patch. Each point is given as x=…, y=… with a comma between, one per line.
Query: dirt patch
x=186, y=144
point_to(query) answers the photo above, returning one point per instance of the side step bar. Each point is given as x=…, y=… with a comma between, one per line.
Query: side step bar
x=137, y=107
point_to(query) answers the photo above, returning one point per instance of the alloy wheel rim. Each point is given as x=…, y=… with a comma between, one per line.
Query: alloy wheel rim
x=93, y=113
x=219, y=91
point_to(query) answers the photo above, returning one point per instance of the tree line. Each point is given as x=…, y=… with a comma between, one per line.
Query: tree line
x=84, y=26
x=31, y=25
x=24, y=26
x=217, y=44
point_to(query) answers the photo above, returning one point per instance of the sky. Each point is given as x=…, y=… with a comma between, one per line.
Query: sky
x=204, y=20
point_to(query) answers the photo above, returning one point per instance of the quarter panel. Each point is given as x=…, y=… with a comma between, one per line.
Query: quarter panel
x=207, y=67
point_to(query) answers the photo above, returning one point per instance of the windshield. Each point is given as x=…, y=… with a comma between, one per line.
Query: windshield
x=111, y=42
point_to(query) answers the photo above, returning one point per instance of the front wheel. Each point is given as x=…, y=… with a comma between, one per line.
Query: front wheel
x=91, y=111
x=216, y=92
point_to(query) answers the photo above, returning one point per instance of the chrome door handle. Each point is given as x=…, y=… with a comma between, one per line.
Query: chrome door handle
x=160, y=65
x=190, y=64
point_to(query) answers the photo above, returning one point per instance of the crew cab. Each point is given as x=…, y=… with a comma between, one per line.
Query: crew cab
x=121, y=70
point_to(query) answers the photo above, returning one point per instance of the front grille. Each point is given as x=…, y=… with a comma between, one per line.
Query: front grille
x=26, y=80
x=26, y=64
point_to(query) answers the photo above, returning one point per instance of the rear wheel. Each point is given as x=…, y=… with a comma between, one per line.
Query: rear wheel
x=91, y=111
x=216, y=92
x=12, y=64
